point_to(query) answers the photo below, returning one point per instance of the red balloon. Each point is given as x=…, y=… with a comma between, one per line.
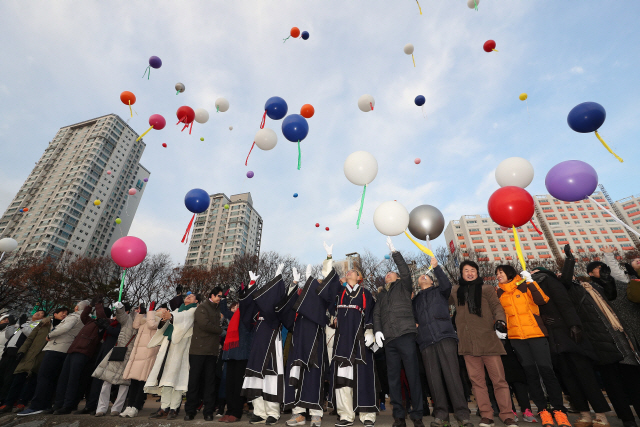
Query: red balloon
x=164, y=144
x=295, y=32
x=317, y=225
x=489, y=46
x=511, y=206
x=327, y=228
x=307, y=111
x=127, y=98
x=186, y=114
x=26, y=209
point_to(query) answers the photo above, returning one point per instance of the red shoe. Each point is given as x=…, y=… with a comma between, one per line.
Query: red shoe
x=223, y=419
x=232, y=419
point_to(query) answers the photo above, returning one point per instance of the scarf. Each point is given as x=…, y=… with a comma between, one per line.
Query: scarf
x=233, y=335
x=603, y=306
x=113, y=324
x=470, y=293
x=55, y=322
x=169, y=331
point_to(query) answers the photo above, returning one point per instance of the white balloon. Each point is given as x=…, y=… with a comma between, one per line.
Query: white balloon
x=266, y=139
x=202, y=115
x=408, y=48
x=514, y=171
x=8, y=244
x=361, y=168
x=222, y=104
x=366, y=103
x=471, y=4
x=230, y=127
x=391, y=218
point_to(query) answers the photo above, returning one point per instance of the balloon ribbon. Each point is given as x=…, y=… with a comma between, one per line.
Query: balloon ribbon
x=534, y=226
x=146, y=132
x=419, y=7
x=615, y=218
x=371, y=104
x=1, y=256
x=290, y=36
x=607, y=147
x=145, y=72
x=264, y=117
x=122, y=284
x=217, y=108
x=178, y=92
x=494, y=50
x=252, y=145
x=299, y=156
x=476, y=5
x=361, y=206
x=518, y=248
x=420, y=245
x=186, y=233
x=130, y=110
x=414, y=62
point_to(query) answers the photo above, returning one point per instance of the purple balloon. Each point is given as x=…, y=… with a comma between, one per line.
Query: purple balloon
x=146, y=180
x=571, y=181
x=155, y=62
x=250, y=174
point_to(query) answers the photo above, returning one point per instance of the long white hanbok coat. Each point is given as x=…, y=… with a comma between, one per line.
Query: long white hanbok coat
x=176, y=368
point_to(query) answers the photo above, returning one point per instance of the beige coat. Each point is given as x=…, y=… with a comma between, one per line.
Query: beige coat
x=110, y=371
x=142, y=358
x=63, y=335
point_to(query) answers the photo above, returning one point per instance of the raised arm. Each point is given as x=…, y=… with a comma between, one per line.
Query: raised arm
x=568, y=268
x=616, y=271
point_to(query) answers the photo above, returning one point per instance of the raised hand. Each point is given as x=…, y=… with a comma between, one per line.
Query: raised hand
x=390, y=244
x=328, y=248
x=296, y=275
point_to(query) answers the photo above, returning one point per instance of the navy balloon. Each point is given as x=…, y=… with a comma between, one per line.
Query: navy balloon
x=197, y=200
x=305, y=35
x=420, y=100
x=586, y=117
x=295, y=127
x=295, y=194
x=276, y=108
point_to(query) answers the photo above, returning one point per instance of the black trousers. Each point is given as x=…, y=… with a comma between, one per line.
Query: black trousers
x=381, y=370
x=622, y=383
x=403, y=351
x=576, y=371
x=94, y=394
x=7, y=366
x=136, y=396
x=48, y=374
x=21, y=390
x=235, y=376
x=67, y=391
x=521, y=390
x=201, y=368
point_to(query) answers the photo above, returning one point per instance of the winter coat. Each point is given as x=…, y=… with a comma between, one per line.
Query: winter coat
x=520, y=301
x=109, y=371
x=5, y=336
x=89, y=337
x=206, y=330
x=393, y=312
x=628, y=312
x=242, y=351
x=18, y=338
x=476, y=336
x=142, y=358
x=559, y=315
x=63, y=335
x=32, y=348
x=431, y=311
x=110, y=338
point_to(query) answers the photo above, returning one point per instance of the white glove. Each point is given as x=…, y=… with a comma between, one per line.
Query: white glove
x=501, y=335
x=118, y=305
x=328, y=248
x=279, y=270
x=526, y=276
x=254, y=277
x=390, y=244
x=308, y=274
x=379, y=339
x=296, y=275
x=368, y=338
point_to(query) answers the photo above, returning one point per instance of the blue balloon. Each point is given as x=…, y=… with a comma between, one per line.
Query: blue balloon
x=305, y=35
x=276, y=108
x=295, y=194
x=420, y=100
x=295, y=127
x=387, y=257
x=586, y=117
x=197, y=200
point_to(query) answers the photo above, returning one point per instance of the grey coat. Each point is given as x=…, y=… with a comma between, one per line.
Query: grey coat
x=393, y=312
x=63, y=335
x=112, y=372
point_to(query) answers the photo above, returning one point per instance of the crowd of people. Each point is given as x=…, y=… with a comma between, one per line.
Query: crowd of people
x=329, y=345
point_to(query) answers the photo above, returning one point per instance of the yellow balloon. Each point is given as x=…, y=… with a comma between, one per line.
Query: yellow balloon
x=97, y=202
x=523, y=97
x=118, y=220
x=226, y=206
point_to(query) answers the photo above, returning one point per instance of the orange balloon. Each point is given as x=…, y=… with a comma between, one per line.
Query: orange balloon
x=295, y=32
x=307, y=111
x=127, y=98
x=26, y=209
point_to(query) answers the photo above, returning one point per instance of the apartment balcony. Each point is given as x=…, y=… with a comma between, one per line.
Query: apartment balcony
x=502, y=239
x=617, y=231
x=530, y=257
x=627, y=248
x=624, y=239
x=545, y=256
x=555, y=233
x=592, y=250
x=474, y=232
x=480, y=250
x=630, y=206
x=494, y=249
x=594, y=232
x=537, y=238
x=582, y=233
x=460, y=237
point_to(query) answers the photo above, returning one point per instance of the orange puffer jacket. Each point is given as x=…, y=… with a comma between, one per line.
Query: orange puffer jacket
x=520, y=301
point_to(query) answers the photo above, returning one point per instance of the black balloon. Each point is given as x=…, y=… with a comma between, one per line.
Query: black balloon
x=426, y=220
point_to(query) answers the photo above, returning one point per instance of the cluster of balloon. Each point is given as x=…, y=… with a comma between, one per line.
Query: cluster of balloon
x=196, y=201
x=7, y=245
x=250, y=174
x=180, y=88
x=128, y=252
x=276, y=108
x=391, y=218
x=222, y=105
x=128, y=98
x=473, y=4
x=408, y=49
x=157, y=122
x=366, y=103
x=295, y=33
x=419, y=101
x=186, y=115
x=588, y=117
x=154, y=62
x=361, y=168
x=295, y=195
x=295, y=128
x=489, y=46
x=24, y=210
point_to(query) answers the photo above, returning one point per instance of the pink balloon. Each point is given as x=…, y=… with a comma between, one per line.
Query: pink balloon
x=108, y=172
x=132, y=192
x=128, y=251
x=417, y=161
x=157, y=121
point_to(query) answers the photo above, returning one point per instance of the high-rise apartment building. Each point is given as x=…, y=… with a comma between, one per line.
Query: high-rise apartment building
x=97, y=159
x=628, y=210
x=581, y=224
x=220, y=234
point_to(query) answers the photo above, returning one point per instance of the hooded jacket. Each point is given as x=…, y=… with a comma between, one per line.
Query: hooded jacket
x=520, y=301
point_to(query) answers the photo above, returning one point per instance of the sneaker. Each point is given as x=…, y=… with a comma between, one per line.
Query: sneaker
x=100, y=414
x=256, y=420
x=528, y=417
x=84, y=411
x=62, y=411
x=189, y=417
x=173, y=414
x=160, y=413
x=223, y=419
x=232, y=419
x=583, y=422
x=271, y=421
x=399, y=422
x=382, y=406
x=437, y=422
x=561, y=419
x=545, y=418
x=114, y=413
x=124, y=413
x=368, y=423
x=316, y=421
x=5, y=408
x=515, y=416
x=344, y=423
x=20, y=407
x=133, y=413
x=296, y=420
x=28, y=412
x=509, y=422
x=486, y=422
x=418, y=423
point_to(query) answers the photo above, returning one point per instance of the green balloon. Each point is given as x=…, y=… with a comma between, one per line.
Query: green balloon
x=226, y=206
x=118, y=220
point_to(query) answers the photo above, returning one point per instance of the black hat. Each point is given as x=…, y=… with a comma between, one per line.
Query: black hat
x=594, y=264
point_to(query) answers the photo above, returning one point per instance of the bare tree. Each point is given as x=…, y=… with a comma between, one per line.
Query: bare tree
x=149, y=281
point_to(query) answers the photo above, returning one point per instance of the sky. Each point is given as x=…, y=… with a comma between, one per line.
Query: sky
x=64, y=62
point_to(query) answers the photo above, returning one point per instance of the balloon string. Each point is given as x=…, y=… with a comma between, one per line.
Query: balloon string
x=494, y=50
x=420, y=246
x=299, y=156
x=217, y=108
x=178, y=92
x=475, y=4
x=1, y=256
x=190, y=128
x=182, y=120
x=414, y=60
x=264, y=117
x=423, y=113
x=252, y=145
x=420, y=7
x=186, y=233
x=371, y=104
x=145, y=72
x=364, y=190
x=615, y=218
x=122, y=285
x=286, y=39
x=518, y=248
x=607, y=147
x=146, y=132
x=130, y=110
x=534, y=226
